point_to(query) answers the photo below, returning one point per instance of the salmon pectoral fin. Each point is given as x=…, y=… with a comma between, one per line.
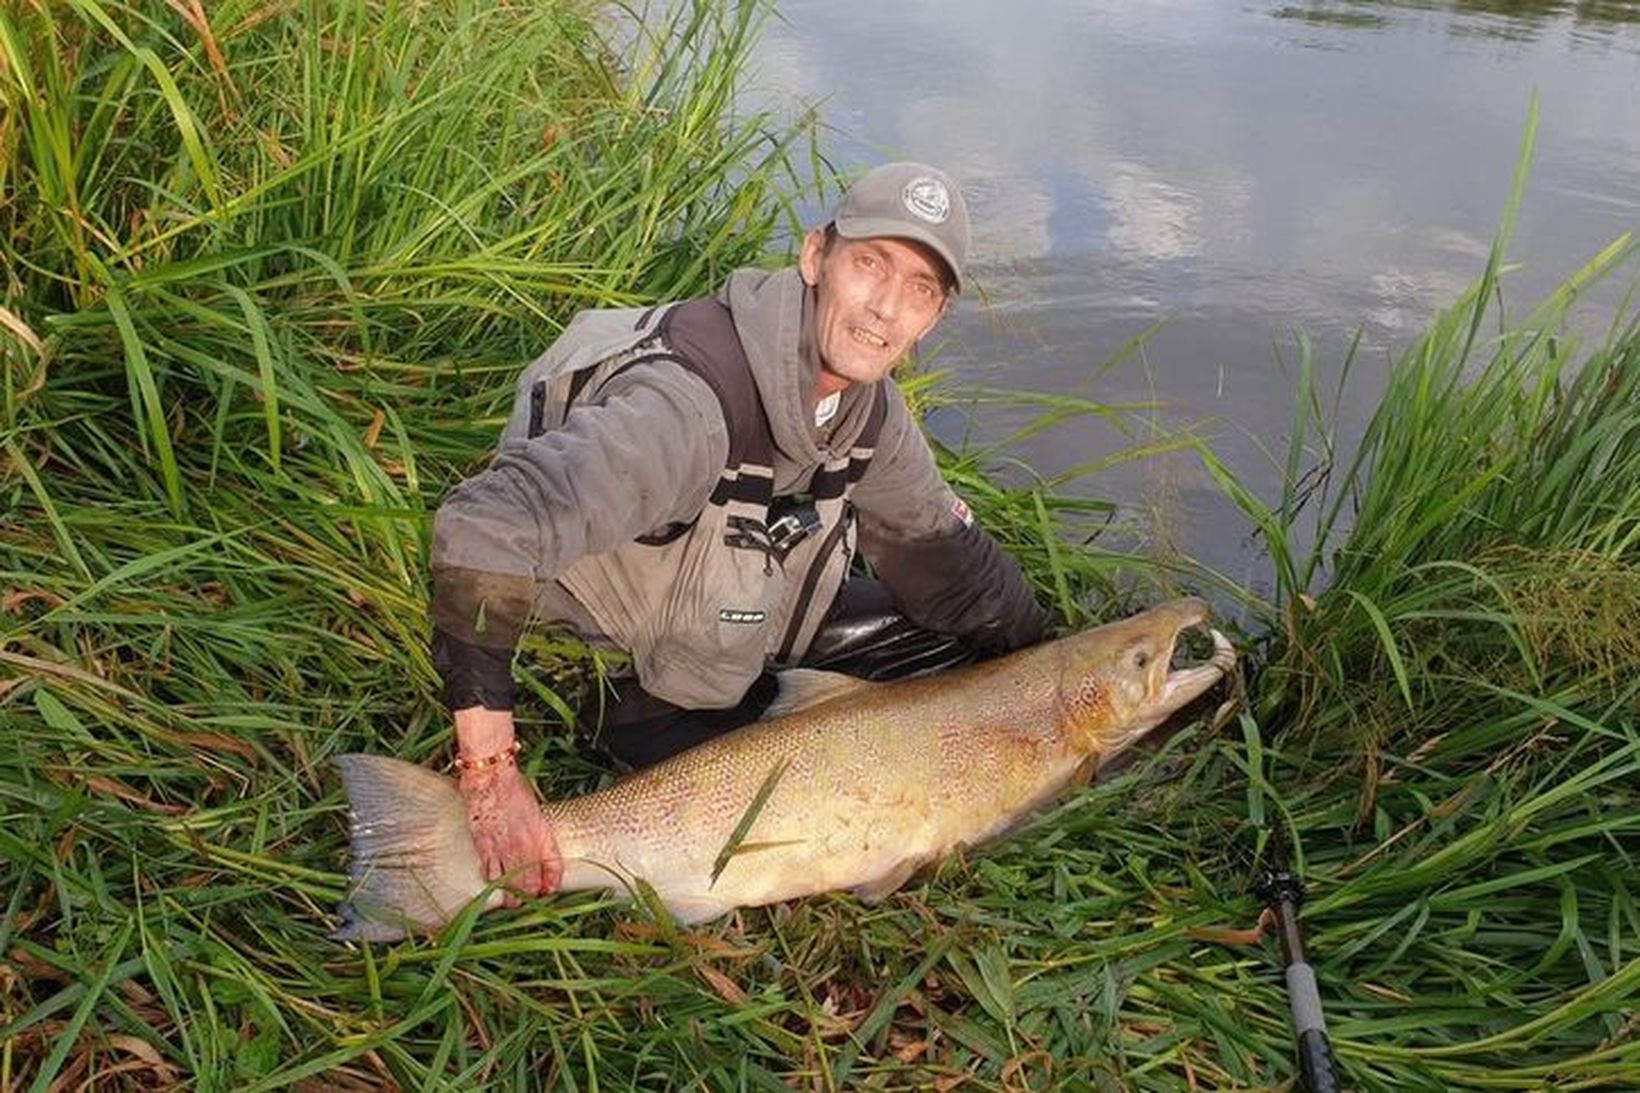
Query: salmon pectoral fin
x=412, y=864
x=875, y=891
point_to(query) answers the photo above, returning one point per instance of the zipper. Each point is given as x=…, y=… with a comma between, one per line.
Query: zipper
x=812, y=578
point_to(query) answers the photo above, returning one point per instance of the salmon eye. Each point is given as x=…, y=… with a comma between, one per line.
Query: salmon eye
x=1141, y=659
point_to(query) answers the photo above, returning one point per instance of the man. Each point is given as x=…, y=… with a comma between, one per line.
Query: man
x=688, y=484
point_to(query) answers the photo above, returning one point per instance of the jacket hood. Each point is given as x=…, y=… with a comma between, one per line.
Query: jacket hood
x=774, y=316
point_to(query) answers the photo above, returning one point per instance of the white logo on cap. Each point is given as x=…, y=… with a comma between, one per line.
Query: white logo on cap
x=927, y=199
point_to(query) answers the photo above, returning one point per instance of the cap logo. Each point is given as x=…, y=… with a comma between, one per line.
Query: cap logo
x=927, y=199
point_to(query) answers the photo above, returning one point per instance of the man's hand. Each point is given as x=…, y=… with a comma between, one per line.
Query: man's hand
x=514, y=842
x=513, y=839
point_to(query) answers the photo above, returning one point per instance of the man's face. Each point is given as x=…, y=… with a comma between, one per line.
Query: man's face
x=874, y=299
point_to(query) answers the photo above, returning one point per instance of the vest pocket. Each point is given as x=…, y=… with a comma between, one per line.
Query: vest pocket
x=709, y=642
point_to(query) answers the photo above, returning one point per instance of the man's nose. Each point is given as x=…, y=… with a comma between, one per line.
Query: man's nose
x=885, y=301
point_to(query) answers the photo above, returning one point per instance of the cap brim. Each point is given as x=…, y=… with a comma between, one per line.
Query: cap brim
x=870, y=227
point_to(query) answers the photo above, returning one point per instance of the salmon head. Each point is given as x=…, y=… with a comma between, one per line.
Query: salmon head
x=1119, y=681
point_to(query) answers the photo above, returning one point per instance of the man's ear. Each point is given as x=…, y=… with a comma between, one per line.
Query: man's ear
x=808, y=262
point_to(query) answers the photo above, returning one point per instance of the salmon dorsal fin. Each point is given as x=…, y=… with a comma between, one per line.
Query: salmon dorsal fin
x=801, y=688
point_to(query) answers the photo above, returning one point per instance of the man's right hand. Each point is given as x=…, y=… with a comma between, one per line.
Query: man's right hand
x=513, y=839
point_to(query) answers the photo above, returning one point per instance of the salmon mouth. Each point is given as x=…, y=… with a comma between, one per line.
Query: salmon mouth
x=1183, y=683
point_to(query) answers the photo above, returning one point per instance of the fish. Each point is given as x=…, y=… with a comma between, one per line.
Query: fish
x=844, y=785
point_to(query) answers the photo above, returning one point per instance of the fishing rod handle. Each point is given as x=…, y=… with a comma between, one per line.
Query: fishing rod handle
x=1315, y=1063
x=1317, y=1071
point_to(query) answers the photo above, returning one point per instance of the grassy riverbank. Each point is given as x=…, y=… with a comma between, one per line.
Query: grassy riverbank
x=265, y=283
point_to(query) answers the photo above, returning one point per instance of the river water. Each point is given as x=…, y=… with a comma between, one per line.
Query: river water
x=1232, y=172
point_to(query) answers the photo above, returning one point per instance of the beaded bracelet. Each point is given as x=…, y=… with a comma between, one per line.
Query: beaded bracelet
x=508, y=755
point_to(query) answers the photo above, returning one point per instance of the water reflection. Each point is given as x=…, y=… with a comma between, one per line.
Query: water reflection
x=1227, y=173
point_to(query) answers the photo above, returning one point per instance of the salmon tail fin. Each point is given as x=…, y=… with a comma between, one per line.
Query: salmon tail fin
x=412, y=863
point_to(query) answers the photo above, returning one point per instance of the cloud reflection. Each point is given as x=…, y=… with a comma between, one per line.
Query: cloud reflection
x=1153, y=220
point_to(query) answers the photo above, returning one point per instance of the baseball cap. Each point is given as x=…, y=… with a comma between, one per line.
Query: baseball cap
x=909, y=201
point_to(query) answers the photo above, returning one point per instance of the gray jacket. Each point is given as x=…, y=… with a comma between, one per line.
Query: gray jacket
x=624, y=501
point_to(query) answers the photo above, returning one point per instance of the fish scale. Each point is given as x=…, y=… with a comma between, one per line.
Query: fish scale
x=874, y=779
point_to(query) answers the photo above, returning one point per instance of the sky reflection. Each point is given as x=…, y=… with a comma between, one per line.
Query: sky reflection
x=1234, y=171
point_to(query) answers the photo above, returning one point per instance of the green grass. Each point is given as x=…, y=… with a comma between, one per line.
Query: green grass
x=266, y=283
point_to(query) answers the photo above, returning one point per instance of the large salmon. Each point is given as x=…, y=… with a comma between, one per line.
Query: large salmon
x=849, y=785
